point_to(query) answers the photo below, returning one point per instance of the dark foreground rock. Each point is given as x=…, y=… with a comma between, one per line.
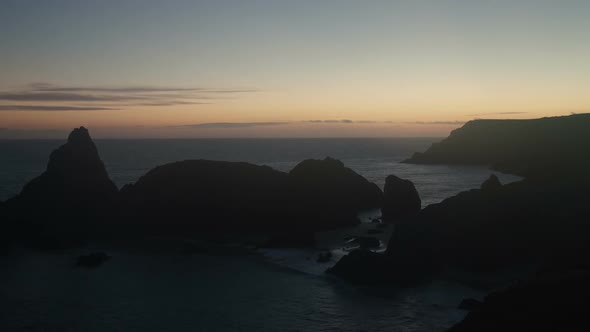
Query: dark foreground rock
x=400, y=200
x=484, y=232
x=518, y=224
x=469, y=304
x=554, y=302
x=94, y=259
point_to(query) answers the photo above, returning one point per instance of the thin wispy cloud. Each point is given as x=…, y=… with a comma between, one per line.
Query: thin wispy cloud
x=331, y=121
x=117, y=97
x=43, y=87
x=498, y=113
x=311, y=122
x=437, y=122
x=173, y=103
x=60, y=96
x=51, y=108
x=46, y=87
x=233, y=124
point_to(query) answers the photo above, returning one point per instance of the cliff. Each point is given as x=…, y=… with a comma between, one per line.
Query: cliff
x=546, y=148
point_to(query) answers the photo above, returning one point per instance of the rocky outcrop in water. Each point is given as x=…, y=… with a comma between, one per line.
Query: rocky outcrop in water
x=74, y=200
x=215, y=196
x=330, y=184
x=203, y=195
x=400, y=200
x=491, y=184
x=62, y=205
x=363, y=266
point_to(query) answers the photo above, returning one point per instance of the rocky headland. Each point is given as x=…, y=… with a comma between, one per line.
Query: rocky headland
x=553, y=147
x=519, y=230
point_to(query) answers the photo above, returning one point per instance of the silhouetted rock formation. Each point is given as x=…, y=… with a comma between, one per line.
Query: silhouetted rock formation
x=486, y=232
x=556, y=302
x=514, y=225
x=400, y=199
x=547, y=147
x=329, y=184
x=205, y=196
x=94, y=259
x=59, y=206
x=491, y=184
x=74, y=199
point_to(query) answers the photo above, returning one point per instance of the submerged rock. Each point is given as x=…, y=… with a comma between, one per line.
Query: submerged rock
x=324, y=257
x=401, y=199
x=291, y=240
x=362, y=267
x=469, y=304
x=94, y=259
x=367, y=242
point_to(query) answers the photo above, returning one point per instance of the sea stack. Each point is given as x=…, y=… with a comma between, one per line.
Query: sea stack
x=491, y=184
x=61, y=203
x=75, y=175
x=401, y=199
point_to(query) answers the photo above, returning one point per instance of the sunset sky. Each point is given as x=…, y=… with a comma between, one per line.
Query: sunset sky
x=287, y=68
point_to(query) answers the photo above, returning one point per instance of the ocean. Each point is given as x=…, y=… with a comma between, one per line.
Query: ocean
x=139, y=291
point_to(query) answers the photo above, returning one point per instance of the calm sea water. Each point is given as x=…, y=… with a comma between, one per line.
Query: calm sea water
x=169, y=292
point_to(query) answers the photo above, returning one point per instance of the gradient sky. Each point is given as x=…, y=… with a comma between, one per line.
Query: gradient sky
x=287, y=68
